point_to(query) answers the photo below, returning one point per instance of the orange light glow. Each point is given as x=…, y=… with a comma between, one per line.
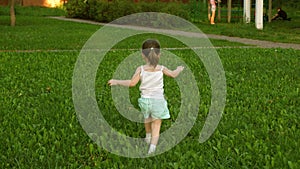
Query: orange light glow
x=53, y=3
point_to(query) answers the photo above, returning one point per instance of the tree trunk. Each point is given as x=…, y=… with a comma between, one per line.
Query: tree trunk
x=12, y=13
x=247, y=11
x=219, y=10
x=259, y=8
x=208, y=10
x=229, y=11
x=270, y=11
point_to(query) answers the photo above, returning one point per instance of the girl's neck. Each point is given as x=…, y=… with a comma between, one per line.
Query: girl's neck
x=150, y=67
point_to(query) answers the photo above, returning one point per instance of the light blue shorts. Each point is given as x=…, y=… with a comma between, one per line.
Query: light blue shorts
x=155, y=108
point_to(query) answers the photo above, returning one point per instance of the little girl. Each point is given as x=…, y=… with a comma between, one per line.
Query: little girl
x=152, y=102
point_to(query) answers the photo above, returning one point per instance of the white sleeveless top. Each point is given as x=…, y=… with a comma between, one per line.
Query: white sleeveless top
x=152, y=85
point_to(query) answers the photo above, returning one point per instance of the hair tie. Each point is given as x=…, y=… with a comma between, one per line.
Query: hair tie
x=151, y=48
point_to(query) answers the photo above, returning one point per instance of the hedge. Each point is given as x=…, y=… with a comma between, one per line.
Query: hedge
x=107, y=11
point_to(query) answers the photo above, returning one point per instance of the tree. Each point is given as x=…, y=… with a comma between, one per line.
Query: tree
x=219, y=10
x=12, y=13
x=259, y=8
x=229, y=11
x=270, y=11
x=247, y=11
x=208, y=10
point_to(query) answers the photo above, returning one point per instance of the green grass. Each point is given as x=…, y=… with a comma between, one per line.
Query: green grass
x=259, y=127
x=33, y=11
x=39, y=127
x=37, y=33
x=277, y=31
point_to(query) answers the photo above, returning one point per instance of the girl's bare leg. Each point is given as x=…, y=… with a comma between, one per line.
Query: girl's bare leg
x=155, y=130
x=155, y=127
x=148, y=129
x=148, y=125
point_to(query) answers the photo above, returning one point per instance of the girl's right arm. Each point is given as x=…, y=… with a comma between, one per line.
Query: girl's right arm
x=129, y=83
x=173, y=73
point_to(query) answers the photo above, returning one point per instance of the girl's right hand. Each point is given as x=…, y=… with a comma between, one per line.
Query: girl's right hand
x=112, y=82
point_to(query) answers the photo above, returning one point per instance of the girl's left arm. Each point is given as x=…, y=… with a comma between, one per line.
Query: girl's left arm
x=173, y=73
x=129, y=83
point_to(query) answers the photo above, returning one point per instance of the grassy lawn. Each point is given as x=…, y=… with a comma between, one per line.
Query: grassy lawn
x=277, y=31
x=39, y=126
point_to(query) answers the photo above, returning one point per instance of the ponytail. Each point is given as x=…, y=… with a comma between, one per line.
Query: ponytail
x=151, y=50
x=153, y=58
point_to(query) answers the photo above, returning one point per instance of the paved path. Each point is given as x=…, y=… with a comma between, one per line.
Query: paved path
x=258, y=43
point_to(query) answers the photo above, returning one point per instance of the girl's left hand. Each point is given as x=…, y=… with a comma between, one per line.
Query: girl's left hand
x=180, y=68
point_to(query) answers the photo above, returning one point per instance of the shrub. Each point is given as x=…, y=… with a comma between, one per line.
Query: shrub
x=151, y=6
x=78, y=9
x=178, y=9
x=117, y=9
x=97, y=9
x=107, y=11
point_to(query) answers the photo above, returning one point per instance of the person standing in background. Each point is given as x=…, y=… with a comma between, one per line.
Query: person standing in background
x=213, y=11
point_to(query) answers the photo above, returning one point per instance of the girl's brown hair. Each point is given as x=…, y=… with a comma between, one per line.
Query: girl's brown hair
x=151, y=50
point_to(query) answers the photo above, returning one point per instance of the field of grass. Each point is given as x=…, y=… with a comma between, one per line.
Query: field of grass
x=278, y=31
x=39, y=126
